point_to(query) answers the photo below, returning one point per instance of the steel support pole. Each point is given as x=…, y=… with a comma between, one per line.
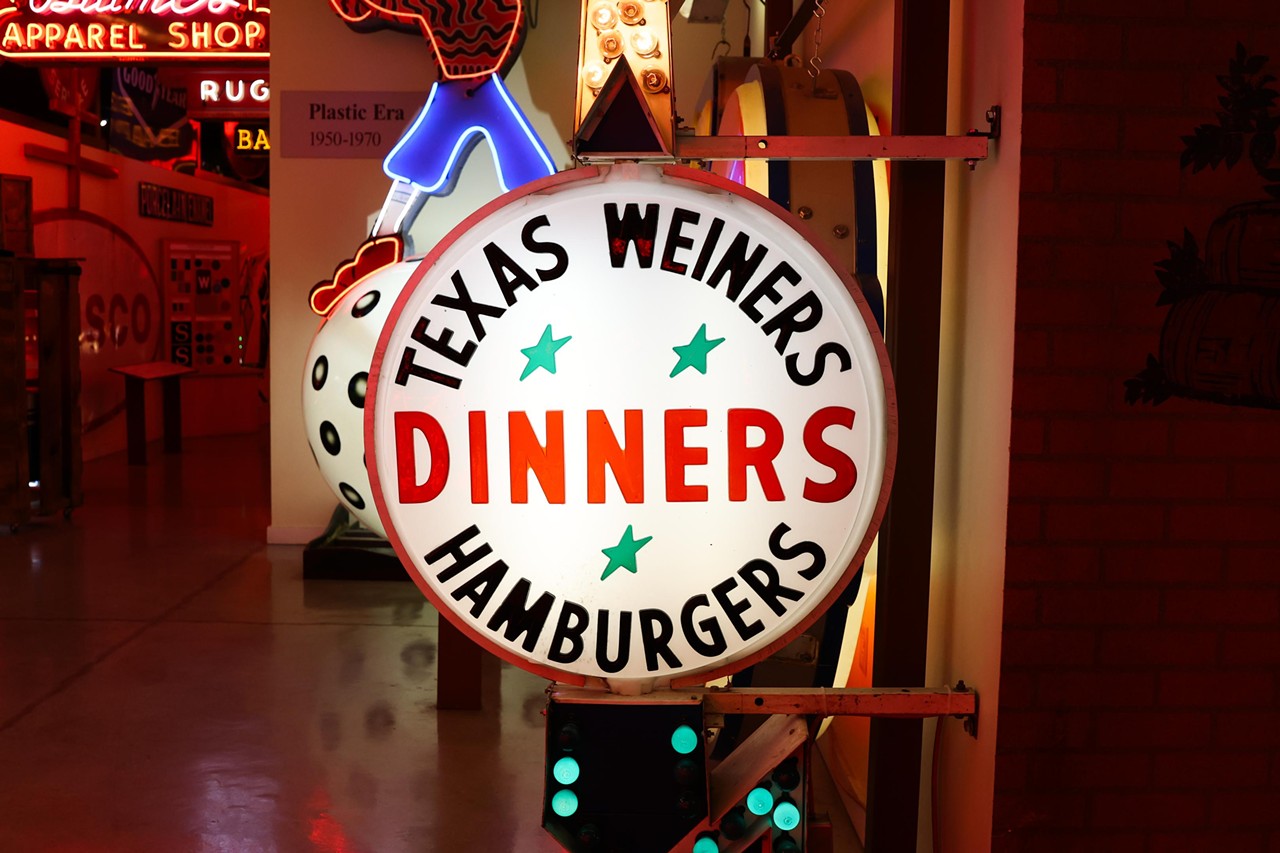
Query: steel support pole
x=914, y=302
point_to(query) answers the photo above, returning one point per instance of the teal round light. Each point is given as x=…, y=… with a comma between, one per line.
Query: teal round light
x=564, y=802
x=760, y=801
x=684, y=740
x=566, y=771
x=706, y=844
x=786, y=816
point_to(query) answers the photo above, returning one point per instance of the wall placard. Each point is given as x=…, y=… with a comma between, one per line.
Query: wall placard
x=157, y=202
x=344, y=125
x=204, y=310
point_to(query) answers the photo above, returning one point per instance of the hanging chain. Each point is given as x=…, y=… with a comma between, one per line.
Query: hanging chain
x=815, y=61
x=724, y=41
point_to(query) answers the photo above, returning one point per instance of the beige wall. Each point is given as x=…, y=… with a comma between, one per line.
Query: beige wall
x=318, y=217
x=971, y=503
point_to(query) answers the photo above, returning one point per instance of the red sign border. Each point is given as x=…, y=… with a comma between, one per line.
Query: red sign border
x=693, y=176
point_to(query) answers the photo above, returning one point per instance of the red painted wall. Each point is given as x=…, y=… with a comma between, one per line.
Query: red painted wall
x=1139, y=686
x=212, y=403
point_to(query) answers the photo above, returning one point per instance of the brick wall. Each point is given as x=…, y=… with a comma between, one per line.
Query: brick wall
x=1140, y=690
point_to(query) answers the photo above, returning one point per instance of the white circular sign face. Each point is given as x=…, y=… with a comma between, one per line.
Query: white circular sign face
x=630, y=426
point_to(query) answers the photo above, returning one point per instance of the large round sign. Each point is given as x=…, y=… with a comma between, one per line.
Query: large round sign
x=630, y=427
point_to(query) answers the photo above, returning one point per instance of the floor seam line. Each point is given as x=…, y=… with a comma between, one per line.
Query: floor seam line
x=142, y=629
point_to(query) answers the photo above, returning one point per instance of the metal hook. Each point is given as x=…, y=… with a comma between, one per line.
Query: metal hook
x=715, y=49
x=815, y=61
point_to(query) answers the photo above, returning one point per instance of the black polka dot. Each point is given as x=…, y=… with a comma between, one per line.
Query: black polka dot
x=319, y=372
x=329, y=438
x=356, y=388
x=352, y=496
x=365, y=304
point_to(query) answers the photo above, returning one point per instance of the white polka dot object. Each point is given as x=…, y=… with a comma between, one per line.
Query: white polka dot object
x=333, y=387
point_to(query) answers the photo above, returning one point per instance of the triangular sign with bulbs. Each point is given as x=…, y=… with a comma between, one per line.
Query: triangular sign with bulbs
x=624, y=102
x=620, y=121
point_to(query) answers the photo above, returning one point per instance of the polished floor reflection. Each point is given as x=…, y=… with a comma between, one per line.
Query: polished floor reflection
x=169, y=683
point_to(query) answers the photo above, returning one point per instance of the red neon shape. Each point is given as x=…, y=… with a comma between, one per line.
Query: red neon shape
x=477, y=43
x=372, y=256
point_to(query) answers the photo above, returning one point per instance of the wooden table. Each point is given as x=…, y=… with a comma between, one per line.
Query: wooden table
x=136, y=377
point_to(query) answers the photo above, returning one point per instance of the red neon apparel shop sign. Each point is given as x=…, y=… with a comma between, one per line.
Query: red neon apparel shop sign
x=110, y=30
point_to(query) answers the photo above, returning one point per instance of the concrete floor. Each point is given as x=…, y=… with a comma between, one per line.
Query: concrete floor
x=169, y=683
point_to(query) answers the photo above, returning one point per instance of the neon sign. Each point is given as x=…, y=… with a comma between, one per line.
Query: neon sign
x=110, y=30
x=469, y=39
x=250, y=138
x=372, y=256
x=454, y=120
x=234, y=91
x=472, y=43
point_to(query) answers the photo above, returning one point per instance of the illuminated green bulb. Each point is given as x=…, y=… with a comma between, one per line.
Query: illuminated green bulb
x=564, y=802
x=684, y=740
x=786, y=816
x=566, y=771
x=706, y=844
x=760, y=801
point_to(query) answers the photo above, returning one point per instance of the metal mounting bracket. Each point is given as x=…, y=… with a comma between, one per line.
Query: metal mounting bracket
x=994, y=116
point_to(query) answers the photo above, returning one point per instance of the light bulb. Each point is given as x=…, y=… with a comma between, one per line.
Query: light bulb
x=644, y=43
x=610, y=43
x=760, y=801
x=786, y=816
x=632, y=12
x=705, y=844
x=603, y=16
x=684, y=740
x=564, y=802
x=654, y=80
x=566, y=771
x=787, y=776
x=593, y=74
x=785, y=844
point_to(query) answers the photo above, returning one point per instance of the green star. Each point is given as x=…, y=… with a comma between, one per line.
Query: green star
x=623, y=555
x=694, y=353
x=543, y=353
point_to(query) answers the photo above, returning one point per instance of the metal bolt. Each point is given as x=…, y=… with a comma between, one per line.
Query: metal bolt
x=762, y=144
x=841, y=231
x=805, y=213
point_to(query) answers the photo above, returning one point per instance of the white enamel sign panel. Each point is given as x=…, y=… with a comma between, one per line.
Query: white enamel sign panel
x=630, y=427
